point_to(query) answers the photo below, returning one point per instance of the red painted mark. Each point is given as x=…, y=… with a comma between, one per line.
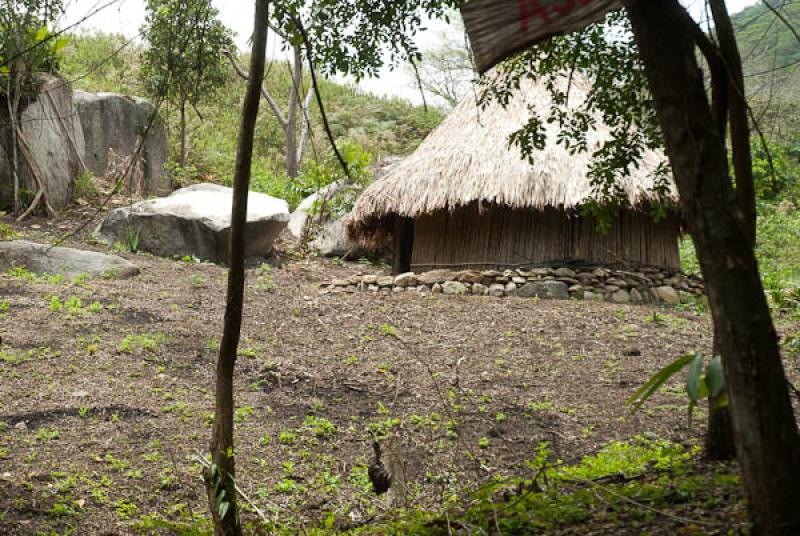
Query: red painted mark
x=529, y=9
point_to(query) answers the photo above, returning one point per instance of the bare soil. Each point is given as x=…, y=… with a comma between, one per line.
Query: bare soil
x=105, y=405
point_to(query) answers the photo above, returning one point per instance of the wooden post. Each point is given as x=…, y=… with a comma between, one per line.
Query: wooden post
x=403, y=245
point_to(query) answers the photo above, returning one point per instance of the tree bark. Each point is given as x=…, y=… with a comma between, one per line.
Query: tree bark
x=720, y=444
x=222, y=444
x=182, y=155
x=738, y=115
x=767, y=441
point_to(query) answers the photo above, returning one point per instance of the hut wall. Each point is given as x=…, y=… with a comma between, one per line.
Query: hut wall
x=501, y=237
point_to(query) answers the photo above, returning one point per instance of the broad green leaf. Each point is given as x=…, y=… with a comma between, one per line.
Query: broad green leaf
x=657, y=380
x=715, y=378
x=694, y=378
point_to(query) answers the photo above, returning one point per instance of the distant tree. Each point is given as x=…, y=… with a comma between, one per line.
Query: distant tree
x=184, y=61
x=446, y=70
x=296, y=110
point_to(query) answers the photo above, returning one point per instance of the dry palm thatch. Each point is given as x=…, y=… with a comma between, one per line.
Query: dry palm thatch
x=468, y=159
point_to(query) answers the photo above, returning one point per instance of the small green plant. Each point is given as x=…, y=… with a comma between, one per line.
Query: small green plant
x=55, y=304
x=196, y=280
x=6, y=232
x=5, y=305
x=265, y=279
x=701, y=383
x=389, y=330
x=133, y=237
x=84, y=186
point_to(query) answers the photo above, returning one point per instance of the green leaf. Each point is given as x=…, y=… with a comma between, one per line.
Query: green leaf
x=715, y=378
x=694, y=379
x=223, y=509
x=720, y=402
x=657, y=380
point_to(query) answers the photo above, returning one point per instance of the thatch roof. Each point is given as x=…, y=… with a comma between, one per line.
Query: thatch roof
x=467, y=159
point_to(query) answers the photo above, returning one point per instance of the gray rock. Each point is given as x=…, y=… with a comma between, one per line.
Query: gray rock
x=470, y=276
x=385, y=281
x=436, y=276
x=529, y=290
x=564, y=272
x=56, y=142
x=332, y=241
x=407, y=279
x=195, y=221
x=636, y=296
x=668, y=295
x=340, y=283
x=117, y=122
x=455, y=287
x=422, y=289
x=621, y=296
x=544, y=289
x=67, y=262
x=511, y=288
x=556, y=290
x=592, y=296
x=370, y=279
x=299, y=218
x=480, y=290
x=497, y=290
x=436, y=288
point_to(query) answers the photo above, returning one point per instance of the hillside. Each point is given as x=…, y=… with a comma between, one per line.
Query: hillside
x=365, y=123
x=771, y=55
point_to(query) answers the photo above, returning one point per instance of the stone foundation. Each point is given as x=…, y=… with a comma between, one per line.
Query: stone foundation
x=647, y=285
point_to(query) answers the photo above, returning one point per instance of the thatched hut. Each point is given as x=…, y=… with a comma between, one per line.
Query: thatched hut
x=465, y=199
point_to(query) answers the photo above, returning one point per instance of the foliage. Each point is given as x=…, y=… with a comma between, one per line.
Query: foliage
x=446, y=70
x=98, y=61
x=26, y=44
x=606, y=54
x=183, y=61
x=700, y=383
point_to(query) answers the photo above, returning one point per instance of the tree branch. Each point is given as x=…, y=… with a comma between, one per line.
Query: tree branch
x=244, y=75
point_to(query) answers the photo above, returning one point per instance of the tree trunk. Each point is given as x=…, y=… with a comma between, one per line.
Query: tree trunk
x=719, y=442
x=220, y=478
x=182, y=155
x=767, y=442
x=295, y=94
x=740, y=126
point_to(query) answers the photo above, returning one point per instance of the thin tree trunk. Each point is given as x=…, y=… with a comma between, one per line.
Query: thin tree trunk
x=220, y=478
x=182, y=155
x=738, y=115
x=767, y=441
x=292, y=149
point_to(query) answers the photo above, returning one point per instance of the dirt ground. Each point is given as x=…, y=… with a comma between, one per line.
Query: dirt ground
x=106, y=402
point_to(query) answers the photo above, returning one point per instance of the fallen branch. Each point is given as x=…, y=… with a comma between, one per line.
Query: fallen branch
x=41, y=195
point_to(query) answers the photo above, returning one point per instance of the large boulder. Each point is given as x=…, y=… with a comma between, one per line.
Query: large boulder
x=299, y=219
x=54, y=136
x=118, y=122
x=42, y=259
x=196, y=221
x=332, y=241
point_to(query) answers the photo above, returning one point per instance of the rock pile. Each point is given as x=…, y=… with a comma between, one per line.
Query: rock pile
x=646, y=285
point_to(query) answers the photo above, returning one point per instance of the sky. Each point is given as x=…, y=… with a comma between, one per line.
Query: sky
x=126, y=17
